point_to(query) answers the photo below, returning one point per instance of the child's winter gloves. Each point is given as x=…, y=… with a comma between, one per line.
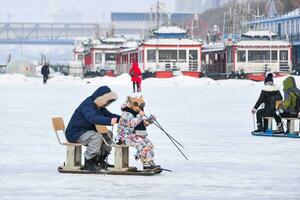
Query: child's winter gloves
x=152, y=118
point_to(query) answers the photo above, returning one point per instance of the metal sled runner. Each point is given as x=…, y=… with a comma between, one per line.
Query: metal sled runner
x=270, y=133
x=74, y=157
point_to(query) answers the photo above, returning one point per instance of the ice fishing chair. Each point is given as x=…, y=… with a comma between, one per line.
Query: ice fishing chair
x=73, y=161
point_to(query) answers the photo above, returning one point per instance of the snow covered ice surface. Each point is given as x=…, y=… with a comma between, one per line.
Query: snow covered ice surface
x=210, y=118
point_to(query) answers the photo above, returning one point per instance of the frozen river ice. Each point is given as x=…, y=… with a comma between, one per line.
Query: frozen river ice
x=211, y=119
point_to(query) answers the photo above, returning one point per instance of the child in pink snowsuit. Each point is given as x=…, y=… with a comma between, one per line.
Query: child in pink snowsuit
x=132, y=131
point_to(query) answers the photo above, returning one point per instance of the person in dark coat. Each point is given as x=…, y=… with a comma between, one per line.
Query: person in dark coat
x=268, y=96
x=81, y=128
x=136, y=76
x=45, y=72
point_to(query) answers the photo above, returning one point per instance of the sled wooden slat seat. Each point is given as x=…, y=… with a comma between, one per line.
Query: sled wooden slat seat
x=72, y=144
x=121, y=156
x=270, y=122
x=73, y=161
x=292, y=127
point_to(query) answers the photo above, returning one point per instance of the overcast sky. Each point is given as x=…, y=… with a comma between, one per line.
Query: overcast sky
x=91, y=10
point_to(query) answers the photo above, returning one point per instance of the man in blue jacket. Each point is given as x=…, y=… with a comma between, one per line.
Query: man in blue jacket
x=81, y=128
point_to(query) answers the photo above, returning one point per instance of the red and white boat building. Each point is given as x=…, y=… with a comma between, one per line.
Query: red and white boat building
x=256, y=53
x=166, y=54
x=97, y=55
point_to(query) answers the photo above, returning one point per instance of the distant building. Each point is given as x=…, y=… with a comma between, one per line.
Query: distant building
x=96, y=55
x=287, y=27
x=197, y=6
x=168, y=51
x=139, y=25
x=253, y=55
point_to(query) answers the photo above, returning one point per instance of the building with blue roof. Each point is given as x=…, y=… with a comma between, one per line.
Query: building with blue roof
x=287, y=27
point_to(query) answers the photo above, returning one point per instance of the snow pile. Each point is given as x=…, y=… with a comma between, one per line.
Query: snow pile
x=16, y=79
x=178, y=81
x=68, y=80
x=125, y=80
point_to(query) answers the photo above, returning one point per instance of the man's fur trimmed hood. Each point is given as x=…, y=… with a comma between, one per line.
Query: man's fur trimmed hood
x=102, y=100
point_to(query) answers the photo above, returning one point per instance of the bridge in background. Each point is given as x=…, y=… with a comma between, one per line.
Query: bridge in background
x=49, y=33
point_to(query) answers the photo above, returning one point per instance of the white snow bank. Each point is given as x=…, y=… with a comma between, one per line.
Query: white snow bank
x=178, y=81
x=124, y=79
x=12, y=79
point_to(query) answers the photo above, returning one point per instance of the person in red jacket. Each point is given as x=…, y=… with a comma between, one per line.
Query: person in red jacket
x=136, y=76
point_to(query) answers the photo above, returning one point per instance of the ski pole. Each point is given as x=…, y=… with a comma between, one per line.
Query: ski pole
x=253, y=121
x=168, y=134
x=106, y=160
x=168, y=170
x=173, y=143
x=159, y=126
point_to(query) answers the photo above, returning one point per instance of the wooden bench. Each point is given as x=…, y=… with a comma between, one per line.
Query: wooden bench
x=74, y=150
x=291, y=121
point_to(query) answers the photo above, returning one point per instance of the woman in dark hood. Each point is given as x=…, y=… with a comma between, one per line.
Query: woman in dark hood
x=81, y=128
x=268, y=96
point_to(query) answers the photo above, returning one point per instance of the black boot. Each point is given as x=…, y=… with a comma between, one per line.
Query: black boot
x=91, y=164
x=259, y=128
x=102, y=161
x=280, y=129
x=151, y=166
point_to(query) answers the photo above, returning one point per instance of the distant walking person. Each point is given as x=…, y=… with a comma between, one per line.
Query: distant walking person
x=136, y=77
x=45, y=72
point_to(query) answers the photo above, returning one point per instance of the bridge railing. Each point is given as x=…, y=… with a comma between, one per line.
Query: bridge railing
x=49, y=33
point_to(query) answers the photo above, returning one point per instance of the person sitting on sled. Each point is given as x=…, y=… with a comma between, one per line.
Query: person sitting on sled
x=81, y=128
x=290, y=107
x=268, y=96
x=132, y=131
